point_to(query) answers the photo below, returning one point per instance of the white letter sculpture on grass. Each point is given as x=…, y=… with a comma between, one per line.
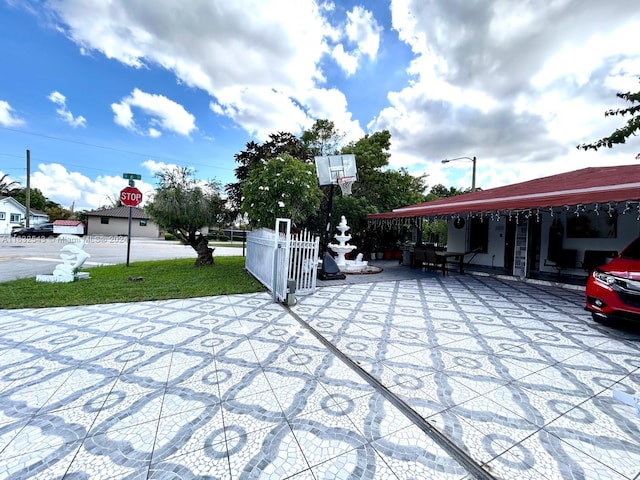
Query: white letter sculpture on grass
x=71, y=262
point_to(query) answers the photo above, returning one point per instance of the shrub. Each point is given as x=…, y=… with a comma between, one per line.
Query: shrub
x=217, y=236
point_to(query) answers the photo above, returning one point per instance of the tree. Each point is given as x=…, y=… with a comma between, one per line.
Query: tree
x=371, y=151
x=622, y=133
x=283, y=187
x=58, y=213
x=440, y=191
x=254, y=155
x=323, y=138
x=7, y=186
x=184, y=205
x=36, y=199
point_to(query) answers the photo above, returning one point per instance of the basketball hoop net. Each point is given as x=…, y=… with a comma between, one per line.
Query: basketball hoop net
x=345, y=184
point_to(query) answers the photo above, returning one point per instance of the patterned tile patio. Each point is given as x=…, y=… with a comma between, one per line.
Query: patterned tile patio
x=415, y=378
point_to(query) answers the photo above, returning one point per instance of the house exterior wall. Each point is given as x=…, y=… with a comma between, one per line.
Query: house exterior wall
x=12, y=208
x=457, y=241
x=7, y=210
x=456, y=237
x=120, y=226
x=628, y=228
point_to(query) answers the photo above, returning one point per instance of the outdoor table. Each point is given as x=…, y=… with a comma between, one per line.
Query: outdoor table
x=459, y=256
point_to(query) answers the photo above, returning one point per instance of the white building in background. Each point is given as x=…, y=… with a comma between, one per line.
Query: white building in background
x=13, y=215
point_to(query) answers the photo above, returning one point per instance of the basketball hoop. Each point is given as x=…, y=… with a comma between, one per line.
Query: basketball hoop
x=345, y=184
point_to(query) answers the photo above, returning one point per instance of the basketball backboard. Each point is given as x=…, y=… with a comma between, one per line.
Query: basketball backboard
x=331, y=167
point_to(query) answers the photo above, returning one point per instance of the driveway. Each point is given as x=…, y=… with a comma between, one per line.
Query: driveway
x=23, y=258
x=454, y=377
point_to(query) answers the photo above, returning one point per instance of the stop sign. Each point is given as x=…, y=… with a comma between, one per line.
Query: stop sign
x=130, y=196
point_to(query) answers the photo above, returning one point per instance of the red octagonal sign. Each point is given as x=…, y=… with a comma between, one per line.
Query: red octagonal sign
x=130, y=196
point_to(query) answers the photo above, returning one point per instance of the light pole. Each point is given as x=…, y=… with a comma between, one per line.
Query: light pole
x=473, y=175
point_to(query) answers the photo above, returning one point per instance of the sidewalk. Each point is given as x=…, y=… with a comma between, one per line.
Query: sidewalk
x=429, y=377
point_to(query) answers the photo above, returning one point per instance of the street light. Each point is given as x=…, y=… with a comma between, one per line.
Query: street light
x=473, y=175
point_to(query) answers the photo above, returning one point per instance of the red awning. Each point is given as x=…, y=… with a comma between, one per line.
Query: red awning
x=596, y=185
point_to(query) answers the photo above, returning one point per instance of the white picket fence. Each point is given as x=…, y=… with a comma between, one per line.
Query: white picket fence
x=276, y=257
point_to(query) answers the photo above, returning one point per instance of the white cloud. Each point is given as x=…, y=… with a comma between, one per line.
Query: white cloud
x=64, y=113
x=154, y=167
x=74, y=190
x=347, y=61
x=235, y=56
x=123, y=115
x=332, y=104
x=258, y=109
x=363, y=32
x=7, y=118
x=210, y=44
x=514, y=84
x=162, y=112
x=363, y=29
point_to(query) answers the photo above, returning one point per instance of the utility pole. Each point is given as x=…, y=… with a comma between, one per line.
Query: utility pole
x=27, y=195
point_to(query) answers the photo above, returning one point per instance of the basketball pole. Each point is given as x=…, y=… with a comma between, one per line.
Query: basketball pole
x=327, y=233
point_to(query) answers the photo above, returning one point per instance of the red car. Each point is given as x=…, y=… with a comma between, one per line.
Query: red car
x=613, y=290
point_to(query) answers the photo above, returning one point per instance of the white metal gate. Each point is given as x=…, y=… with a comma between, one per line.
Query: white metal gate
x=276, y=258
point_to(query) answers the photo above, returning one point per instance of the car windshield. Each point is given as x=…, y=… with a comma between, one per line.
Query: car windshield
x=632, y=251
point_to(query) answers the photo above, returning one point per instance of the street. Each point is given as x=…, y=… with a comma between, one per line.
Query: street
x=28, y=257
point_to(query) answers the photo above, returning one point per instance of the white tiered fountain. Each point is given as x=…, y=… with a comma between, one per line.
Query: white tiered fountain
x=342, y=248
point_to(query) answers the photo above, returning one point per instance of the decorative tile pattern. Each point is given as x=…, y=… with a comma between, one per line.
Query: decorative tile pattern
x=234, y=387
x=506, y=370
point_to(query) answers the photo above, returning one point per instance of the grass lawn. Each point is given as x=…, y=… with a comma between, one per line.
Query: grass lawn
x=163, y=279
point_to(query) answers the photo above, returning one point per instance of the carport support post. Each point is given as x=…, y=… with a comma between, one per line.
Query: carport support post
x=129, y=236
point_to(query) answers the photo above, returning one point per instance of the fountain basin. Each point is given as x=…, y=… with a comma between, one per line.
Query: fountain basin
x=341, y=250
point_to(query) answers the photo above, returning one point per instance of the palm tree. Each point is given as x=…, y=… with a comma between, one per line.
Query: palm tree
x=7, y=187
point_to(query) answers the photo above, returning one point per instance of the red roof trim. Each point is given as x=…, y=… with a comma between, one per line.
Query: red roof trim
x=586, y=186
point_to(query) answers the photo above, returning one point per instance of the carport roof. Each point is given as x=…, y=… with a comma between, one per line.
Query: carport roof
x=595, y=185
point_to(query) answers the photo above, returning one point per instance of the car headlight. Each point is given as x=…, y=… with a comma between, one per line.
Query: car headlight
x=604, y=277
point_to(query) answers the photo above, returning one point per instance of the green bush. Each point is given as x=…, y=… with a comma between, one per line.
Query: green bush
x=217, y=236
x=169, y=236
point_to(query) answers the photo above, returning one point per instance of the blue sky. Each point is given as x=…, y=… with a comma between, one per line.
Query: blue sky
x=95, y=89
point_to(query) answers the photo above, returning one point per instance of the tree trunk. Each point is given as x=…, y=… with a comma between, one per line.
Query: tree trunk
x=205, y=253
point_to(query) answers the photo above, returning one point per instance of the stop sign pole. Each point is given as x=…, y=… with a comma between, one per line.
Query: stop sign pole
x=131, y=197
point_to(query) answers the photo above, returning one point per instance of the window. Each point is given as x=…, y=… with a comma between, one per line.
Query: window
x=143, y=222
x=592, y=225
x=479, y=235
x=3, y=215
x=15, y=218
x=104, y=220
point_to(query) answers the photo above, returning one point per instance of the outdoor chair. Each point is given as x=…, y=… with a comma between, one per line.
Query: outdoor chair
x=435, y=261
x=419, y=257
